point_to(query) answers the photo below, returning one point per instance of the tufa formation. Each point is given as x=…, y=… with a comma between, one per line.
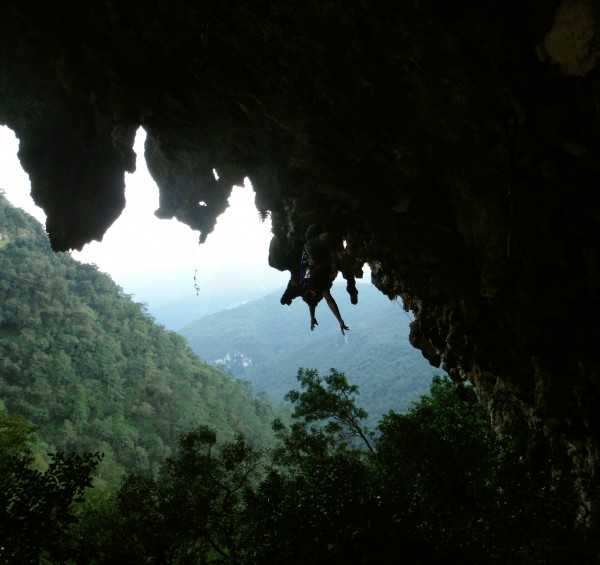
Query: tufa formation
x=454, y=147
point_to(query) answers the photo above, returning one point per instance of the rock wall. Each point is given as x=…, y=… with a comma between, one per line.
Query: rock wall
x=454, y=146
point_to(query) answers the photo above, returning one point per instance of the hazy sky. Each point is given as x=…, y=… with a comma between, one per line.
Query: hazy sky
x=152, y=258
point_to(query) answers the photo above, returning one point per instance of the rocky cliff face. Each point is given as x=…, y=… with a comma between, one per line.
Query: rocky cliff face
x=454, y=146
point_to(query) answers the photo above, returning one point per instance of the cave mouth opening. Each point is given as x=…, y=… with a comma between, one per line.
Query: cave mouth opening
x=148, y=256
x=139, y=247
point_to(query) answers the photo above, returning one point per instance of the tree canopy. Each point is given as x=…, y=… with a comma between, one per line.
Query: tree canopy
x=36, y=506
x=203, y=476
x=89, y=366
x=431, y=485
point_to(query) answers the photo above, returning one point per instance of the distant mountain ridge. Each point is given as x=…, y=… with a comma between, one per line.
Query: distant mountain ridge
x=188, y=299
x=265, y=343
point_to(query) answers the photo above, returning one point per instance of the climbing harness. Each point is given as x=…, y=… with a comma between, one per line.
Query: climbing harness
x=306, y=270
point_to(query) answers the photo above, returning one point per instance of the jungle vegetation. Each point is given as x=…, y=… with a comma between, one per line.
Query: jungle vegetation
x=119, y=445
x=432, y=485
x=89, y=366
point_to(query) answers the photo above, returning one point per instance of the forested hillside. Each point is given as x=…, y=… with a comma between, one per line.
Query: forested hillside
x=262, y=341
x=436, y=486
x=96, y=374
x=90, y=367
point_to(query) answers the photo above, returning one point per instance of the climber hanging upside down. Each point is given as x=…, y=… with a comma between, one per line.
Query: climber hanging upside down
x=316, y=274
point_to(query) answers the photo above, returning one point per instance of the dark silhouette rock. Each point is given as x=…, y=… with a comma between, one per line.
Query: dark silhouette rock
x=452, y=146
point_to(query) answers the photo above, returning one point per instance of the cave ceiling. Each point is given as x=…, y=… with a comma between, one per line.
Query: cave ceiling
x=454, y=147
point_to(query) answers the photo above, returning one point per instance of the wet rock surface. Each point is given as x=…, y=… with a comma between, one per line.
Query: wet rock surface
x=452, y=146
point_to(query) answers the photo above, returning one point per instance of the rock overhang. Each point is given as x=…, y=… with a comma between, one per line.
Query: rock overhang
x=454, y=148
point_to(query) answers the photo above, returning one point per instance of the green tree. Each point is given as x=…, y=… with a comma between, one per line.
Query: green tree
x=435, y=486
x=36, y=506
x=321, y=497
x=330, y=401
x=467, y=493
x=191, y=513
x=82, y=361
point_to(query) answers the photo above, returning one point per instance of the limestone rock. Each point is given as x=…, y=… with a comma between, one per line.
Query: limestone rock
x=453, y=146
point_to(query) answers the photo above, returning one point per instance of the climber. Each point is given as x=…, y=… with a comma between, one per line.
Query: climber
x=316, y=274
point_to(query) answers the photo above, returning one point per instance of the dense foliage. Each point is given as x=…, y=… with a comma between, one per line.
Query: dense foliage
x=36, y=506
x=261, y=340
x=90, y=367
x=433, y=485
